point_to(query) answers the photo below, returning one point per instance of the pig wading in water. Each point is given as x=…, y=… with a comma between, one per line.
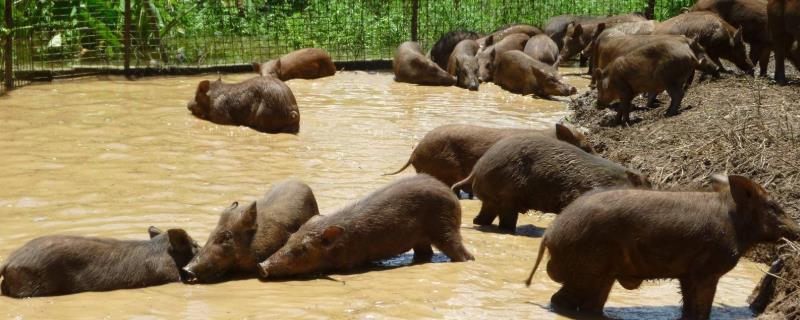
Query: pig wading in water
x=463, y=65
x=449, y=152
x=534, y=171
x=57, y=265
x=542, y=48
x=247, y=235
x=487, y=59
x=411, y=213
x=412, y=66
x=308, y=63
x=519, y=73
x=265, y=104
x=652, y=68
x=635, y=235
x=443, y=48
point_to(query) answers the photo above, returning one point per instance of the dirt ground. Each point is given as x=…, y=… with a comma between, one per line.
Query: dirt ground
x=733, y=125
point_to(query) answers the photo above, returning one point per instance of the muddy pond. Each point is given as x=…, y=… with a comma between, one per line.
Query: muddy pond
x=110, y=157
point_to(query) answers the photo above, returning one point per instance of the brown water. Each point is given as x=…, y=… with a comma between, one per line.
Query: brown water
x=110, y=157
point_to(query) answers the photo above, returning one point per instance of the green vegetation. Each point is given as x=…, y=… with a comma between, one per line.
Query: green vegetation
x=69, y=33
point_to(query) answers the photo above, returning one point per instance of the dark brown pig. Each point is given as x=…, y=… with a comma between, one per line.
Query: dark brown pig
x=556, y=27
x=652, y=68
x=487, y=59
x=443, y=48
x=58, y=265
x=463, y=64
x=783, y=18
x=719, y=38
x=519, y=73
x=247, y=235
x=412, y=66
x=602, y=32
x=265, y=104
x=411, y=213
x=542, y=48
x=635, y=235
x=507, y=30
x=449, y=152
x=751, y=17
x=534, y=171
x=579, y=35
x=308, y=63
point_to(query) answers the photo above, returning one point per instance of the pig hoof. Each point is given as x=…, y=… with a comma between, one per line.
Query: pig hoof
x=482, y=221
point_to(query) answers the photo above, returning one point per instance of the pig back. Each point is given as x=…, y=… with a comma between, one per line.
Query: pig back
x=281, y=212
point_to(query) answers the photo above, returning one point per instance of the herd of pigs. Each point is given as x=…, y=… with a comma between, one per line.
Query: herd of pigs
x=611, y=225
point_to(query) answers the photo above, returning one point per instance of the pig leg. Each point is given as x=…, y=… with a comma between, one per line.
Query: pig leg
x=676, y=94
x=652, y=100
x=487, y=214
x=780, y=63
x=698, y=296
x=585, y=295
x=597, y=294
x=760, y=52
x=423, y=253
x=452, y=246
x=624, y=111
x=720, y=67
x=508, y=221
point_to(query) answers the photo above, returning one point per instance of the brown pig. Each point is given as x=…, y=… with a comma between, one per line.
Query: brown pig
x=487, y=59
x=635, y=235
x=411, y=213
x=751, y=17
x=719, y=38
x=534, y=171
x=783, y=17
x=663, y=64
x=602, y=32
x=556, y=27
x=412, y=66
x=519, y=73
x=578, y=35
x=58, y=265
x=247, y=235
x=449, y=152
x=463, y=64
x=443, y=48
x=507, y=30
x=542, y=48
x=265, y=104
x=308, y=63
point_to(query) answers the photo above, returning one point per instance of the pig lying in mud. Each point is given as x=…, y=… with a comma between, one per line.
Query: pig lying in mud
x=411, y=213
x=247, y=235
x=265, y=104
x=578, y=36
x=487, y=59
x=308, y=63
x=411, y=66
x=58, y=265
x=652, y=68
x=720, y=39
x=463, y=64
x=534, y=171
x=443, y=48
x=635, y=235
x=543, y=49
x=449, y=152
x=517, y=72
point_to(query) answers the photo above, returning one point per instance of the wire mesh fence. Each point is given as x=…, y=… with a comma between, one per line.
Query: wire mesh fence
x=74, y=37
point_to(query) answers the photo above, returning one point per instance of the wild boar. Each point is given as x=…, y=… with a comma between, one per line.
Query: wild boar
x=443, y=48
x=247, y=235
x=411, y=213
x=602, y=32
x=58, y=265
x=411, y=66
x=783, y=18
x=556, y=27
x=501, y=33
x=534, y=171
x=517, y=72
x=542, y=48
x=463, y=64
x=635, y=235
x=308, y=63
x=578, y=35
x=487, y=59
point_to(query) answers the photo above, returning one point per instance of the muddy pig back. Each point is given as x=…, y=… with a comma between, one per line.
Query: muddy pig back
x=410, y=65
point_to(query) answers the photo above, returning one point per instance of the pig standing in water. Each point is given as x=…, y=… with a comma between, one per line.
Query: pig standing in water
x=534, y=171
x=519, y=73
x=542, y=48
x=463, y=64
x=635, y=235
x=449, y=152
x=443, y=48
x=245, y=236
x=411, y=213
x=487, y=59
x=57, y=265
x=652, y=68
x=410, y=65
x=308, y=63
x=265, y=104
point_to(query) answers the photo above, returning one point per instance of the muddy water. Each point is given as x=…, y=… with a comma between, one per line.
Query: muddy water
x=110, y=157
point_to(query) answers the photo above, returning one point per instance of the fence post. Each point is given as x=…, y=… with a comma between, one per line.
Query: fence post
x=414, y=20
x=126, y=37
x=7, y=57
x=650, y=12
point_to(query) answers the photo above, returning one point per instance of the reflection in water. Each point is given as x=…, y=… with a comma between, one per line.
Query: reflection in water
x=112, y=157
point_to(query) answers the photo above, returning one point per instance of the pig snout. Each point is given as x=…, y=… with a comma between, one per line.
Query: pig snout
x=573, y=91
x=188, y=275
x=263, y=269
x=472, y=86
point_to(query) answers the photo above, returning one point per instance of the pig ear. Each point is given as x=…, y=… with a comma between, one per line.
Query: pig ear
x=331, y=234
x=277, y=67
x=250, y=215
x=153, y=231
x=565, y=134
x=636, y=179
x=179, y=239
x=492, y=55
x=578, y=30
x=600, y=27
x=489, y=41
x=257, y=67
x=738, y=36
x=719, y=183
x=745, y=192
x=204, y=86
